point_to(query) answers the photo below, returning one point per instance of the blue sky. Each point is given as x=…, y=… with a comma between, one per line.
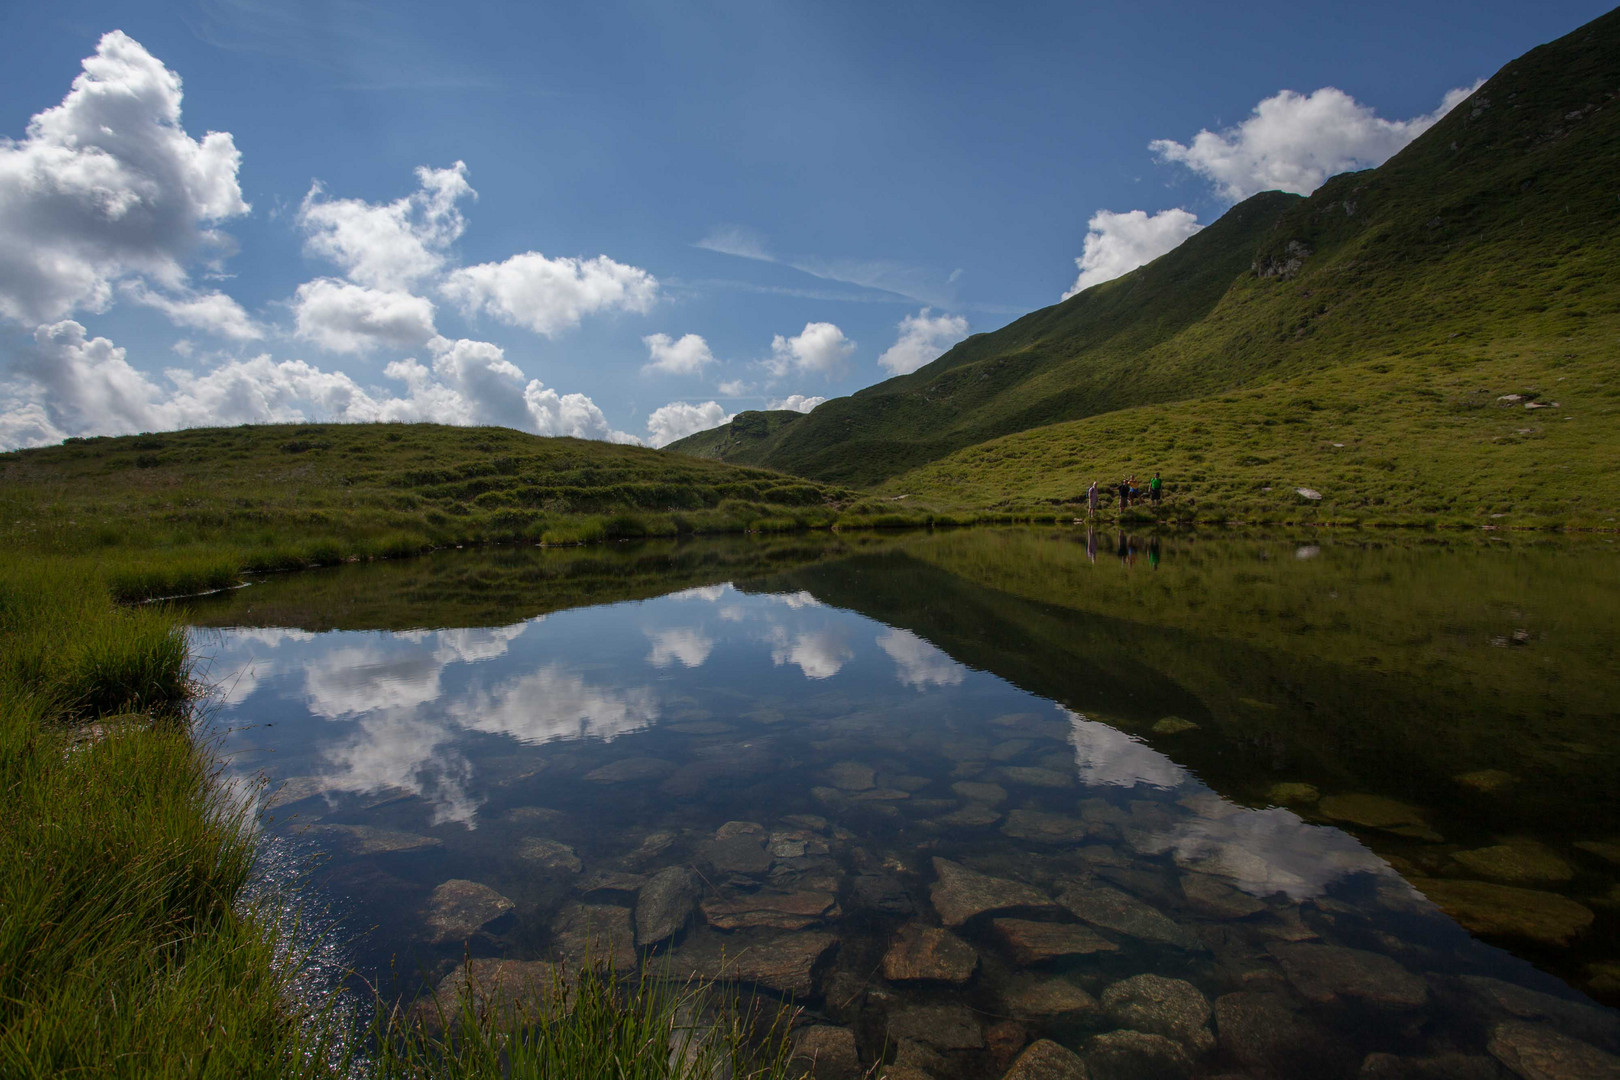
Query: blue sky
x=661, y=213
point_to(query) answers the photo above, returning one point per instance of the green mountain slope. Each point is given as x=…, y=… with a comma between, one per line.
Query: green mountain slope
x=1493, y=236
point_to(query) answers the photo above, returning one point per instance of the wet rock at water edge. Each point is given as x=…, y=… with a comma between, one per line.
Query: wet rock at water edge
x=549, y=854
x=514, y=989
x=1114, y=910
x=1326, y=973
x=1538, y=1052
x=960, y=894
x=921, y=952
x=459, y=908
x=1508, y=910
x=626, y=770
x=365, y=840
x=975, y=791
x=851, y=776
x=1052, y=997
x=1033, y=942
x=826, y=1051
x=1208, y=895
x=1045, y=828
x=783, y=961
x=664, y=904
x=783, y=911
x=600, y=934
x=1379, y=1066
x=1158, y=1005
x=1136, y=1055
x=944, y=1027
x=1518, y=862
x=1047, y=1060
x=1030, y=776
x=1261, y=1032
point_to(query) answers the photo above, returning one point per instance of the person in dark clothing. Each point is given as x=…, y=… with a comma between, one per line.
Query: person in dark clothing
x=1124, y=494
x=1155, y=486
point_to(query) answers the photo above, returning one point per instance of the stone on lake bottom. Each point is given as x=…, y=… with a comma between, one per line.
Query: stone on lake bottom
x=973, y=815
x=1489, y=781
x=1048, y=997
x=664, y=904
x=1209, y=895
x=1173, y=725
x=516, y=989
x=1114, y=910
x=928, y=953
x=1379, y=1066
x=1158, y=1005
x=1518, y=862
x=783, y=961
x=613, y=881
x=1603, y=849
x=627, y=770
x=945, y=1027
x=459, y=908
x=1003, y=1040
x=1029, y=776
x=365, y=840
x=829, y=1051
x=550, y=854
x=851, y=776
x=783, y=911
x=1486, y=908
x=1538, y=1052
x=974, y=791
x=735, y=853
x=880, y=892
x=1047, y=1060
x=1370, y=811
x=1261, y=1032
x=1326, y=973
x=1136, y=1055
x=961, y=894
x=1045, y=828
x=1293, y=794
x=598, y=933
x=1033, y=942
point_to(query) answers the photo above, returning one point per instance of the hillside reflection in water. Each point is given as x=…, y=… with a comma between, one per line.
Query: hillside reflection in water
x=1223, y=762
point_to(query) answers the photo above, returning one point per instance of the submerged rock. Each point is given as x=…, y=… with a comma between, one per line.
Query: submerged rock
x=1370, y=811
x=1505, y=1000
x=1038, y=942
x=459, y=908
x=1157, y=1005
x=664, y=904
x=1045, y=828
x=1435, y=1067
x=1209, y=895
x=1029, y=776
x=1111, y=909
x=1173, y=725
x=1047, y=997
x=737, y=847
x=520, y=990
x=921, y=952
x=776, y=960
x=1136, y=1055
x=1603, y=849
x=1260, y=1032
x=1047, y=1060
x=973, y=816
x=365, y=840
x=1508, y=910
x=1489, y=781
x=945, y=1027
x=975, y=791
x=827, y=1052
x=783, y=911
x=961, y=894
x=851, y=776
x=880, y=892
x=1538, y=1052
x=630, y=769
x=613, y=881
x=550, y=854
x=1293, y=794
x=1325, y=973
x=1518, y=862
x=598, y=933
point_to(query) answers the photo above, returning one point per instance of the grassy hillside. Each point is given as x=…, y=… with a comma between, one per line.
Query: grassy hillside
x=277, y=496
x=742, y=439
x=1495, y=237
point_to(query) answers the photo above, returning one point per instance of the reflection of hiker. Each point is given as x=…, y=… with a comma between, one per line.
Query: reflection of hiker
x=1091, y=534
x=1124, y=493
x=1092, y=497
x=1154, y=487
x=1153, y=543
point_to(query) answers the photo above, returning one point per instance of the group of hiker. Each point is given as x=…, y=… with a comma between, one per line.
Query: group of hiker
x=1128, y=491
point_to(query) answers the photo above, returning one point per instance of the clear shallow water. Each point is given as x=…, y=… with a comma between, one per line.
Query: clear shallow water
x=1242, y=766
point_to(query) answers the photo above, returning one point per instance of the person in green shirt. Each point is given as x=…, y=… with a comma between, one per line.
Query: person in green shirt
x=1155, y=486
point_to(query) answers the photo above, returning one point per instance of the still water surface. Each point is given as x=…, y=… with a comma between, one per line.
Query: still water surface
x=1186, y=805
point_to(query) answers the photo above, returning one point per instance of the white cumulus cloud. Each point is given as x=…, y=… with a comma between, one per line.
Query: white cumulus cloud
x=678, y=419
x=796, y=402
x=1294, y=142
x=820, y=349
x=345, y=318
x=923, y=337
x=550, y=295
x=388, y=246
x=213, y=312
x=687, y=356
x=1116, y=244
x=108, y=185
